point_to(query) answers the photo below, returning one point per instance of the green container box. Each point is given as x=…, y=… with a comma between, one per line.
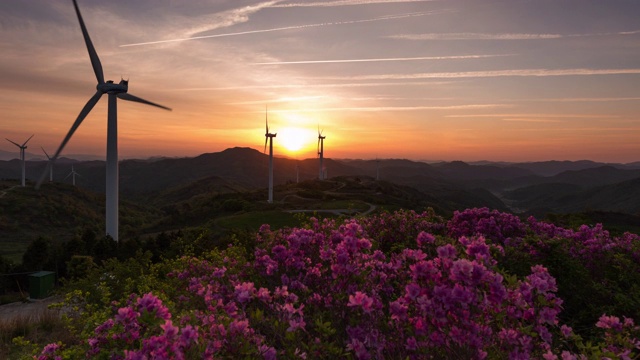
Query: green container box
x=41, y=284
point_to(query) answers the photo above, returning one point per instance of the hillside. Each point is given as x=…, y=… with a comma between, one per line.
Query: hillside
x=59, y=212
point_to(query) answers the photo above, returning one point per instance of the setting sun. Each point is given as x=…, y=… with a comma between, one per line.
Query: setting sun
x=293, y=139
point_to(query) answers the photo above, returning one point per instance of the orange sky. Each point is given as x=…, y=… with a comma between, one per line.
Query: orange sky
x=424, y=80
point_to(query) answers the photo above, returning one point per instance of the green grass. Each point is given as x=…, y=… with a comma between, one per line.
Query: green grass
x=253, y=220
x=355, y=205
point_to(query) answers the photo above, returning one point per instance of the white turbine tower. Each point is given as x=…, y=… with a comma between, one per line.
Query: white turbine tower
x=321, y=173
x=73, y=174
x=268, y=137
x=114, y=91
x=50, y=167
x=22, y=147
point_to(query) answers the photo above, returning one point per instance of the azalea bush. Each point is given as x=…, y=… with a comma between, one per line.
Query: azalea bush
x=397, y=285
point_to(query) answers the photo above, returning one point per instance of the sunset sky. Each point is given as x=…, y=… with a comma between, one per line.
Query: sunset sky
x=424, y=80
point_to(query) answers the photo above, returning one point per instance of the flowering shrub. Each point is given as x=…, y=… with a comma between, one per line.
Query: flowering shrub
x=336, y=289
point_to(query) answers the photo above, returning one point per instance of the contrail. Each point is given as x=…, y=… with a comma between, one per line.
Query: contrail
x=346, y=3
x=381, y=59
x=497, y=73
x=500, y=36
x=389, y=17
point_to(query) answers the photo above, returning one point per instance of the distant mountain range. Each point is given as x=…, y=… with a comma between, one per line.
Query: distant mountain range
x=532, y=187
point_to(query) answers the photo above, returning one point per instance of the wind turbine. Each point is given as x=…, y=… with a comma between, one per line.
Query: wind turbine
x=269, y=137
x=22, y=147
x=50, y=167
x=73, y=174
x=114, y=91
x=321, y=153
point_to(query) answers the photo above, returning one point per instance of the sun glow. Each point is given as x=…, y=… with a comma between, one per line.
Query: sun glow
x=293, y=139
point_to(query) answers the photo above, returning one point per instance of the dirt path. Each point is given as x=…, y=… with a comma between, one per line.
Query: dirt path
x=26, y=310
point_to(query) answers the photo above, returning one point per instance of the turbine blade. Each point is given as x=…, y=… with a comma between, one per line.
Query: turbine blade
x=129, y=97
x=95, y=60
x=45, y=152
x=85, y=111
x=25, y=143
x=71, y=173
x=16, y=144
x=266, y=138
x=318, y=146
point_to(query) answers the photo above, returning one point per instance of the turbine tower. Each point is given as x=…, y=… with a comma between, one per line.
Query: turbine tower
x=114, y=91
x=50, y=167
x=321, y=153
x=22, y=147
x=268, y=137
x=73, y=174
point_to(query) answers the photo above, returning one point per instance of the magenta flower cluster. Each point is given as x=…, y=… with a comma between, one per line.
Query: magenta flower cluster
x=329, y=291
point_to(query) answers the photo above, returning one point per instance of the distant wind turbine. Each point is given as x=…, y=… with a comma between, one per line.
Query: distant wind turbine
x=268, y=137
x=114, y=91
x=321, y=153
x=50, y=167
x=73, y=174
x=22, y=147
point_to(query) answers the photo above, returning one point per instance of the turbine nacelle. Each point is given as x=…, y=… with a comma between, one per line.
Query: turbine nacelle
x=109, y=87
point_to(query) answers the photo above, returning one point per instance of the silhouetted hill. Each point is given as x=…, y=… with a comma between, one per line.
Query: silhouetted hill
x=621, y=197
x=60, y=212
x=551, y=168
x=602, y=175
x=458, y=170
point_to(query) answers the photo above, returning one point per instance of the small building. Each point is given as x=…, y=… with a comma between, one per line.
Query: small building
x=41, y=284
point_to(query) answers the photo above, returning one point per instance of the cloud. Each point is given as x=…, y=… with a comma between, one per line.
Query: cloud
x=399, y=108
x=347, y=3
x=306, y=86
x=535, y=116
x=381, y=59
x=474, y=36
x=496, y=73
x=296, y=27
x=604, y=99
x=500, y=36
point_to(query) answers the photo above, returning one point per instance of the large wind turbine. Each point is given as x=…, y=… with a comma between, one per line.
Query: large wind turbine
x=73, y=174
x=22, y=147
x=50, y=167
x=321, y=153
x=114, y=91
x=268, y=137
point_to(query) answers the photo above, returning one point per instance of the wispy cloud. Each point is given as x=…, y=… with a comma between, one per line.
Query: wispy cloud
x=457, y=57
x=536, y=116
x=603, y=99
x=296, y=27
x=347, y=3
x=474, y=36
x=306, y=86
x=497, y=73
x=500, y=36
x=531, y=120
x=279, y=100
x=400, y=108
x=223, y=19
